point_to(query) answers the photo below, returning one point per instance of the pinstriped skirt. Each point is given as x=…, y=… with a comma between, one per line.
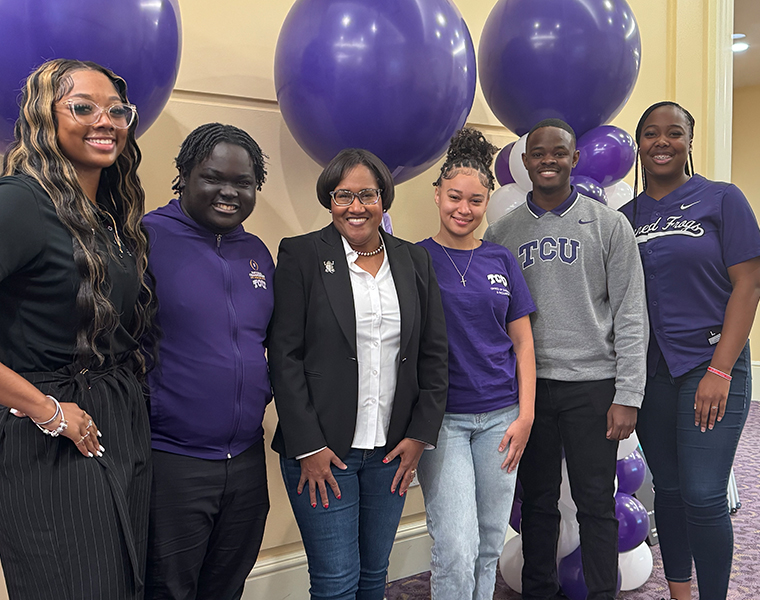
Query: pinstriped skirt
x=73, y=527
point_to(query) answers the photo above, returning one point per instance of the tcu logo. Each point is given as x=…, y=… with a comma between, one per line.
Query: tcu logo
x=548, y=249
x=496, y=278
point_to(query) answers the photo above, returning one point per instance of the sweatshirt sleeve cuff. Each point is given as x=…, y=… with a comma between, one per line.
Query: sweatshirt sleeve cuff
x=628, y=398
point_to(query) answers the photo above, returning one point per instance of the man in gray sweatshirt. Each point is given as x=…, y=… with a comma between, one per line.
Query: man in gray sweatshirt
x=582, y=266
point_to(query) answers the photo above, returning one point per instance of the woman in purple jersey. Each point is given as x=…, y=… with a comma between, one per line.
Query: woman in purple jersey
x=700, y=247
x=469, y=479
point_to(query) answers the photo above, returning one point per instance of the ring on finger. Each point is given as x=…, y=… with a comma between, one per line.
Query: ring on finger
x=80, y=441
x=714, y=408
x=89, y=423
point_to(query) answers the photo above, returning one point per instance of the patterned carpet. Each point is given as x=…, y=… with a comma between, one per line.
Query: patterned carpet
x=745, y=583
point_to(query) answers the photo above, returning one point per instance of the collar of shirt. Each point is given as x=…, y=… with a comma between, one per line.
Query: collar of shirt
x=560, y=210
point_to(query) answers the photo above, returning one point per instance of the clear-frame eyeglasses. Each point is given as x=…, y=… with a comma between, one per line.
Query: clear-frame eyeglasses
x=87, y=112
x=346, y=197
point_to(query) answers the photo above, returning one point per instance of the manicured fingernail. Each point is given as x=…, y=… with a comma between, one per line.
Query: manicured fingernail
x=338, y=496
x=299, y=493
x=385, y=460
x=325, y=505
x=401, y=493
x=90, y=454
x=100, y=434
x=14, y=411
x=99, y=453
x=314, y=505
x=101, y=448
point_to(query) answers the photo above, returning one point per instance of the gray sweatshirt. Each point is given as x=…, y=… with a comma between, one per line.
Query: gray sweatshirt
x=583, y=269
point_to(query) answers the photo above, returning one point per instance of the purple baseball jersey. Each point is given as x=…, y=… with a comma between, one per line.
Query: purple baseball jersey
x=687, y=241
x=481, y=356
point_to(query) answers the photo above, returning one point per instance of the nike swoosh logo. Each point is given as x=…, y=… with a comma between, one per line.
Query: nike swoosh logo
x=685, y=206
x=582, y=222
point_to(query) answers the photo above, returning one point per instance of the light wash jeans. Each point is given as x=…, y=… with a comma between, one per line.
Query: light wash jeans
x=468, y=500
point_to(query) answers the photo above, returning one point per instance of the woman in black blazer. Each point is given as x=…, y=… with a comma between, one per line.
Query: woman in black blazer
x=358, y=358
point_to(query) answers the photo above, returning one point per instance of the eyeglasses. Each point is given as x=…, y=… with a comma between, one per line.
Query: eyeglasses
x=346, y=197
x=86, y=112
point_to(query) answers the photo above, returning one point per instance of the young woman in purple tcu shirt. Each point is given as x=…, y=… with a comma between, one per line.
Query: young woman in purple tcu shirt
x=469, y=479
x=700, y=247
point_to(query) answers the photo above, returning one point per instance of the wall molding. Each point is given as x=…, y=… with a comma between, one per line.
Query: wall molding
x=285, y=576
x=756, y=380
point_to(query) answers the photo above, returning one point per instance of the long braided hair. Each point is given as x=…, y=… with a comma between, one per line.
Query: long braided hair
x=469, y=149
x=35, y=152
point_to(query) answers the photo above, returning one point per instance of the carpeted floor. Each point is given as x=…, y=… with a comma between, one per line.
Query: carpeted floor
x=745, y=582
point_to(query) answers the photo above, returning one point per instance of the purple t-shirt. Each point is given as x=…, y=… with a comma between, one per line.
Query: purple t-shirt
x=481, y=357
x=687, y=241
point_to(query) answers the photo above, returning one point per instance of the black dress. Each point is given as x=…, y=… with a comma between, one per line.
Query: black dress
x=70, y=526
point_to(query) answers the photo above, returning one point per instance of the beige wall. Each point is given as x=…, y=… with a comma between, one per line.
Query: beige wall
x=227, y=75
x=746, y=132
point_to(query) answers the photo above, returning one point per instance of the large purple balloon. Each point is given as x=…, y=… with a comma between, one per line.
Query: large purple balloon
x=631, y=472
x=571, y=579
x=607, y=154
x=633, y=521
x=392, y=76
x=576, y=60
x=140, y=41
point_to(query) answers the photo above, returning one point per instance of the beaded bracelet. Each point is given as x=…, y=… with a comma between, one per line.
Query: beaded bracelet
x=719, y=373
x=61, y=425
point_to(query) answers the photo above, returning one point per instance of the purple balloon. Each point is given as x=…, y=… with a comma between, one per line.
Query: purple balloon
x=516, y=516
x=607, y=154
x=392, y=76
x=631, y=471
x=570, y=575
x=576, y=60
x=140, y=41
x=633, y=520
x=589, y=187
x=501, y=165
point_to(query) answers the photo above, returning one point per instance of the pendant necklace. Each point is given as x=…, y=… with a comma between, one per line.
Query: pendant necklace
x=461, y=275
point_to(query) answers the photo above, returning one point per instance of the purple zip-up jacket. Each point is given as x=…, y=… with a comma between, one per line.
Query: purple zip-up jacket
x=211, y=385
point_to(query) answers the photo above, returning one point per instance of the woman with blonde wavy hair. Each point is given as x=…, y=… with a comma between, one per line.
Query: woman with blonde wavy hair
x=74, y=437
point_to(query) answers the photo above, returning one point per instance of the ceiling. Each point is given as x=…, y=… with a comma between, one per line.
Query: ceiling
x=747, y=63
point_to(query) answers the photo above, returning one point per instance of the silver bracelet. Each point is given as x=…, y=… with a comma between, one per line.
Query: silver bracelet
x=61, y=426
x=55, y=414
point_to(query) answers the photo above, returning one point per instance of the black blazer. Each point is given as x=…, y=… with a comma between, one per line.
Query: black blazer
x=312, y=346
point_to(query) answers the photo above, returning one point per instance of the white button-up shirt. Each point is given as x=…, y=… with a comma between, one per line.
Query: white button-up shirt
x=378, y=340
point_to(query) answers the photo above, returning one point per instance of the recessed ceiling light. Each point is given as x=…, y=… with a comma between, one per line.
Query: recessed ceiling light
x=740, y=46
x=738, y=36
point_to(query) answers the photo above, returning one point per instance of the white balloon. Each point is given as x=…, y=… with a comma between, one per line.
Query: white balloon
x=511, y=563
x=636, y=566
x=617, y=195
x=503, y=201
x=626, y=446
x=516, y=166
x=569, y=532
x=565, y=495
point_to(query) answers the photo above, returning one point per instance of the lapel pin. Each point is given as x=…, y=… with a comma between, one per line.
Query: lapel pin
x=329, y=266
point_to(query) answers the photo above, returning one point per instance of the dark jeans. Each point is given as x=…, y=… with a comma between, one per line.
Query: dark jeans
x=206, y=524
x=572, y=415
x=348, y=544
x=690, y=470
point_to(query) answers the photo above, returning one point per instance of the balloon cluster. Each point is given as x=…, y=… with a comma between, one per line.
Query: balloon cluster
x=607, y=154
x=635, y=559
x=576, y=60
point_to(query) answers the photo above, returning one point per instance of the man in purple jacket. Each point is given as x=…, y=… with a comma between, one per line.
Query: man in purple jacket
x=210, y=386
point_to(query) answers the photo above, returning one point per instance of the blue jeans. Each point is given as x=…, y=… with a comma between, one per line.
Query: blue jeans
x=348, y=544
x=468, y=499
x=690, y=470
x=570, y=415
